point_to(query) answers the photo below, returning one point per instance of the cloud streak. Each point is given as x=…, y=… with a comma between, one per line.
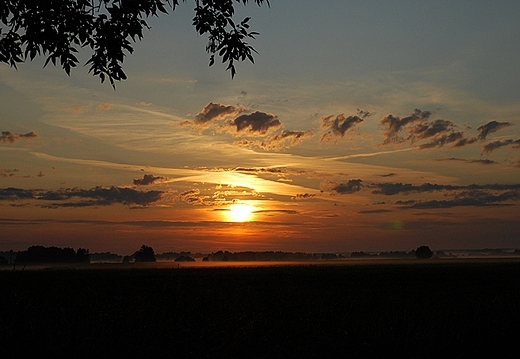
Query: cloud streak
x=10, y=137
x=490, y=147
x=98, y=196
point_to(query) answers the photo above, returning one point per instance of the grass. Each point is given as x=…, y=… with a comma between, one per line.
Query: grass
x=457, y=310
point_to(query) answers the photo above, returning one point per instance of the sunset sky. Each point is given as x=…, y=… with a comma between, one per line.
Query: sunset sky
x=362, y=125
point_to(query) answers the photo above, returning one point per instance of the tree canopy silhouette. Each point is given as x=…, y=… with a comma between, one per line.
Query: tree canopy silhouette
x=57, y=28
x=145, y=254
x=423, y=252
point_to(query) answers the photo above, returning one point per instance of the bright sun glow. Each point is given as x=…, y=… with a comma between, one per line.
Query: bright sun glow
x=240, y=213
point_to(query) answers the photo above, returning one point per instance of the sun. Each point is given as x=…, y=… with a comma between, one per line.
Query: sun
x=240, y=212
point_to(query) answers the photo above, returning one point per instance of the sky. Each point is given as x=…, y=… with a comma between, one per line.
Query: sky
x=362, y=126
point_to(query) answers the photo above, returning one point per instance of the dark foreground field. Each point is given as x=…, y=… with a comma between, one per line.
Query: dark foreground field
x=443, y=310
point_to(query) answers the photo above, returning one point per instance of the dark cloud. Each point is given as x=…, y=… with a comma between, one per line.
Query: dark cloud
x=4, y=172
x=490, y=127
x=417, y=128
x=148, y=180
x=255, y=124
x=444, y=139
x=490, y=147
x=393, y=124
x=8, y=136
x=390, y=189
x=283, y=140
x=12, y=194
x=301, y=196
x=257, y=170
x=98, y=196
x=352, y=186
x=286, y=139
x=213, y=112
x=469, y=198
x=282, y=211
x=375, y=211
x=338, y=125
x=391, y=174
x=478, y=161
x=465, y=141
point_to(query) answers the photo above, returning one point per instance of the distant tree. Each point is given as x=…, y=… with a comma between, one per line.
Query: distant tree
x=41, y=254
x=82, y=255
x=145, y=254
x=57, y=28
x=423, y=252
x=127, y=259
x=3, y=260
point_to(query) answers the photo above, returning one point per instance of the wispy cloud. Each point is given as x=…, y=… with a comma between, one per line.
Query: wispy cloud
x=277, y=142
x=10, y=137
x=468, y=198
x=400, y=188
x=476, y=161
x=98, y=196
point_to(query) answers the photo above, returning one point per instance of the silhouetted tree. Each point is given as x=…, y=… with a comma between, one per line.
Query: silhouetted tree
x=423, y=252
x=145, y=254
x=83, y=255
x=3, y=260
x=57, y=28
x=41, y=254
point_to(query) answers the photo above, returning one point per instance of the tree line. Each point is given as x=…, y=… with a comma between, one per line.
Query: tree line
x=41, y=254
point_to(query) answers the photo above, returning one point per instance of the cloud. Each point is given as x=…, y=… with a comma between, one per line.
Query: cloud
x=390, y=189
x=490, y=127
x=339, y=125
x=213, y=112
x=12, y=194
x=478, y=161
x=469, y=198
x=255, y=124
x=490, y=147
x=301, y=196
x=98, y=196
x=393, y=124
x=372, y=211
x=4, y=172
x=416, y=128
x=283, y=211
x=8, y=136
x=148, y=180
x=352, y=186
x=283, y=140
x=193, y=197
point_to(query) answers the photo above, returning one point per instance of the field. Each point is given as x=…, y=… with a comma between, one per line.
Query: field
x=410, y=310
